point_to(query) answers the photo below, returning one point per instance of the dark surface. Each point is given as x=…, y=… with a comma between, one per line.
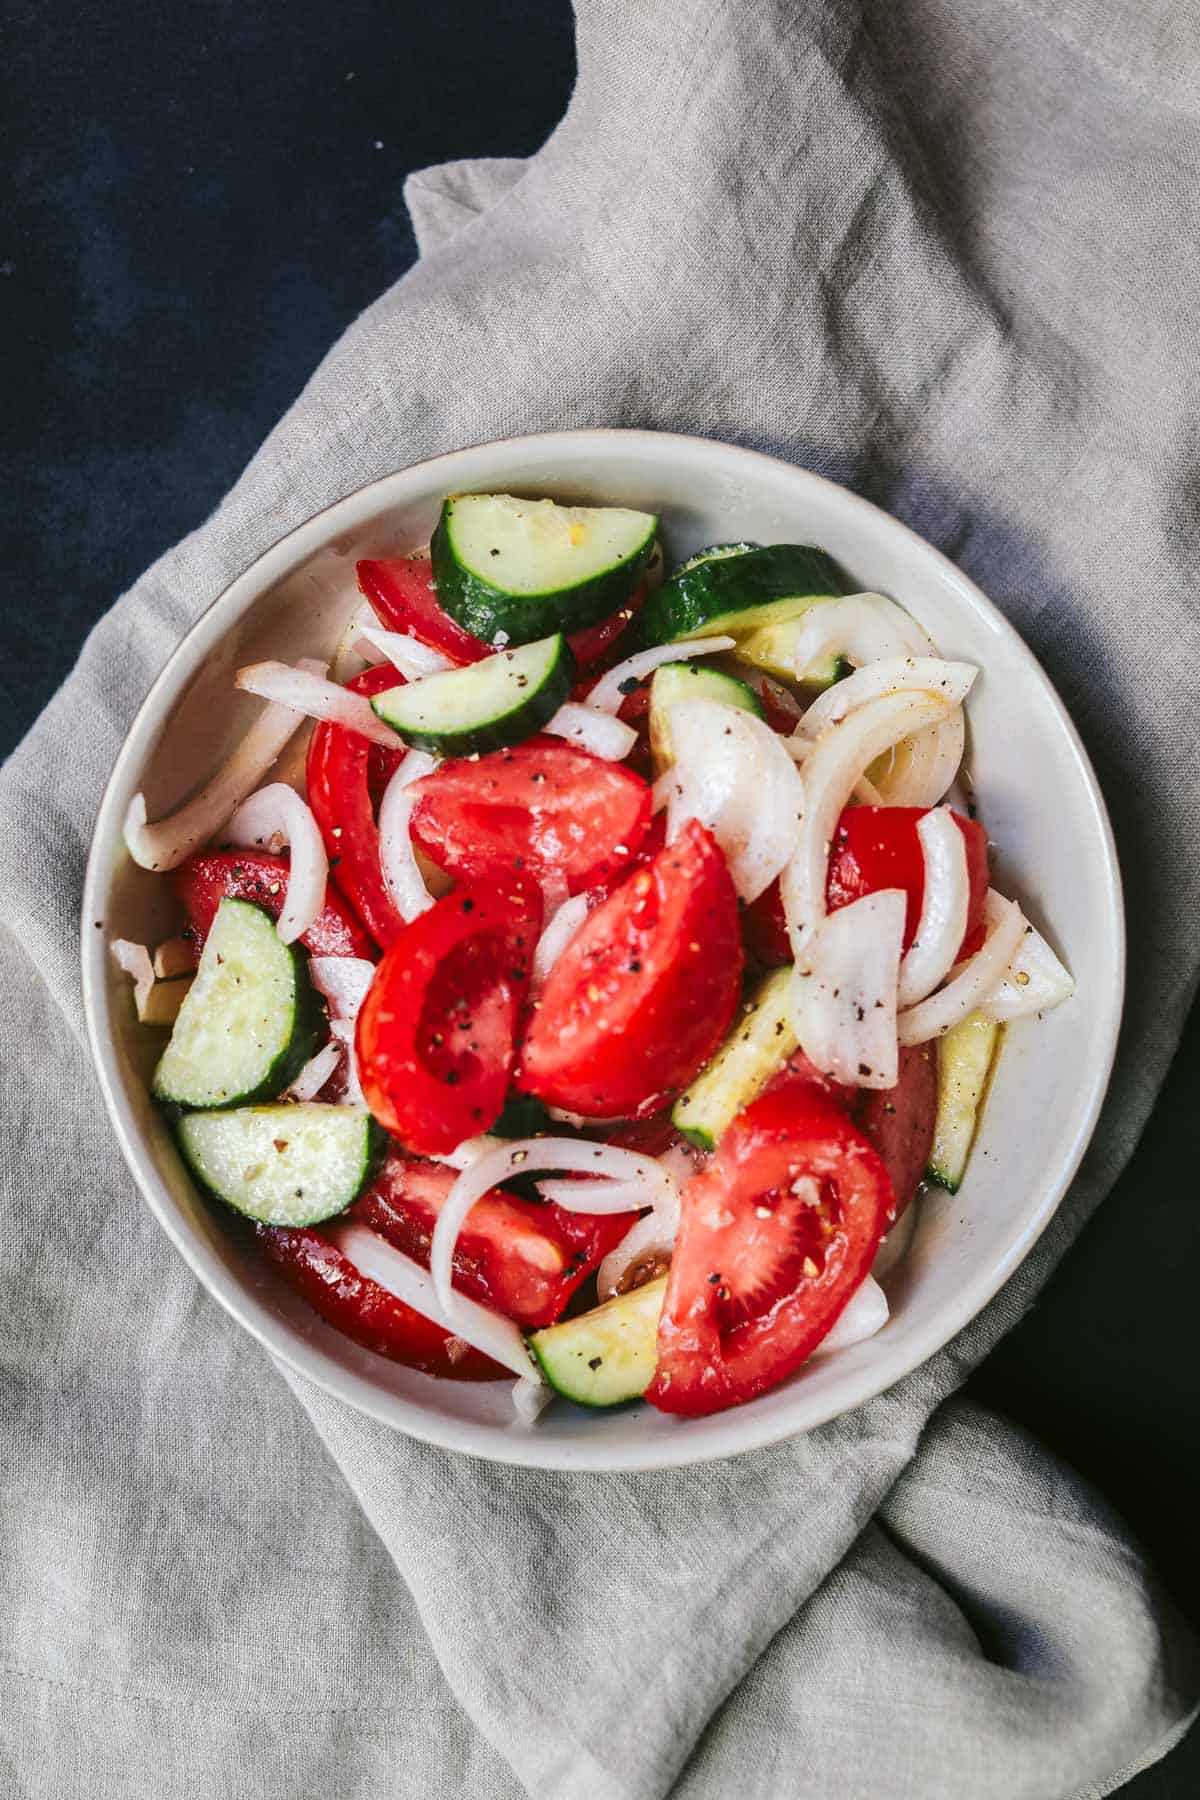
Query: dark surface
x=206, y=197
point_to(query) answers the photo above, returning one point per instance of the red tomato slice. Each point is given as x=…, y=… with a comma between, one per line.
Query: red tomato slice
x=645, y=990
x=900, y=1121
x=523, y=1259
x=343, y=772
x=368, y=1313
x=874, y=847
x=436, y=1034
x=403, y=596
x=775, y=1235
x=204, y=880
x=543, y=807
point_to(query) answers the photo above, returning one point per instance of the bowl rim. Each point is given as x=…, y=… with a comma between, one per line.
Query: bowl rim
x=743, y=1429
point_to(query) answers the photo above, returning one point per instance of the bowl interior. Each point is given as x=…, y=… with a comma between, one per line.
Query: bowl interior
x=1036, y=792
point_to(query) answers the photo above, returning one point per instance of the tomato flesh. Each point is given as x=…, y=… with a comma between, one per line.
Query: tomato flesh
x=523, y=1259
x=346, y=773
x=204, y=880
x=543, y=808
x=437, y=1032
x=368, y=1313
x=775, y=1235
x=645, y=990
x=900, y=1121
x=874, y=847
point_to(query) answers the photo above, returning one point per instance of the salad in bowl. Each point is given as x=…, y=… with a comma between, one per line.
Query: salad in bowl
x=593, y=1003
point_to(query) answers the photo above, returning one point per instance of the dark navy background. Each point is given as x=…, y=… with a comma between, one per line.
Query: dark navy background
x=205, y=197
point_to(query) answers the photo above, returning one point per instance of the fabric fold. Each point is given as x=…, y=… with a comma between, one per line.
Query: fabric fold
x=875, y=240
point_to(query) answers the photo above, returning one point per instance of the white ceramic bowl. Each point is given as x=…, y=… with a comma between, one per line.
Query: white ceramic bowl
x=1037, y=793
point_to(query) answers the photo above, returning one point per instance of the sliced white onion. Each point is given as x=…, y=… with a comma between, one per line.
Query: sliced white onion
x=275, y=816
x=343, y=1031
x=601, y=733
x=343, y=981
x=402, y=875
x=894, y=675
x=405, y=652
x=464, y=1155
x=557, y=935
x=832, y=768
x=1035, y=981
x=732, y=773
x=919, y=770
x=864, y=628
x=611, y=689
x=894, y=1247
x=478, y=1325
x=588, y=1196
x=526, y=1156
x=166, y=843
x=944, y=906
x=312, y=694
x=315, y=1073
x=843, y=995
x=530, y=1399
x=649, y=1235
x=863, y=791
x=134, y=960
x=977, y=979
x=865, y=1313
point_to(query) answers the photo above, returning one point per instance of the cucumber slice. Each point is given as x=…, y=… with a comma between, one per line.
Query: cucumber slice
x=759, y=1044
x=248, y=1023
x=284, y=1165
x=526, y=568
x=486, y=706
x=771, y=648
x=690, y=681
x=964, y=1060
x=714, y=553
x=607, y=1355
x=738, y=592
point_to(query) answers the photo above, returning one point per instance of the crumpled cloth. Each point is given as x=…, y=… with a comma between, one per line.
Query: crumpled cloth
x=945, y=254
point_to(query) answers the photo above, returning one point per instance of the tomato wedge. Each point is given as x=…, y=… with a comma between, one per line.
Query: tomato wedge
x=368, y=1313
x=543, y=807
x=403, y=596
x=436, y=1034
x=645, y=990
x=900, y=1121
x=775, y=1235
x=345, y=773
x=874, y=847
x=524, y=1259
x=204, y=880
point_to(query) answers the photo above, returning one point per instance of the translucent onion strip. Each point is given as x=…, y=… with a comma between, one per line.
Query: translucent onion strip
x=843, y=995
x=1034, y=982
x=526, y=1156
x=611, y=689
x=402, y=875
x=342, y=1030
x=343, y=981
x=134, y=960
x=598, y=732
x=894, y=675
x=921, y=768
x=864, y=628
x=275, y=816
x=944, y=906
x=732, y=773
x=315, y=1073
x=557, y=935
x=865, y=1313
x=587, y=1196
x=651, y=1234
x=320, y=699
x=976, y=980
x=834, y=765
x=406, y=653
x=166, y=843
x=477, y=1325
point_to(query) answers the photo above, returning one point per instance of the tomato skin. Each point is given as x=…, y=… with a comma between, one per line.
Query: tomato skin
x=205, y=879
x=436, y=1034
x=366, y=1312
x=542, y=807
x=523, y=1259
x=644, y=992
x=900, y=1121
x=402, y=593
x=874, y=847
x=737, y=1215
x=342, y=769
